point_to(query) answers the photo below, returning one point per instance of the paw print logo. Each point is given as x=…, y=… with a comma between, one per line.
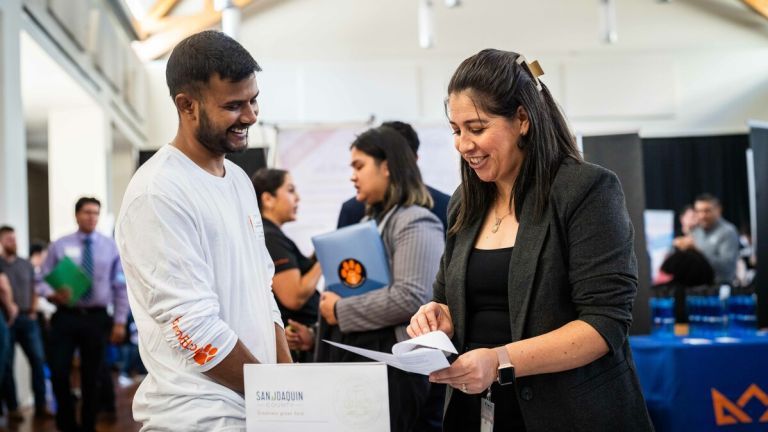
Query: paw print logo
x=351, y=273
x=206, y=354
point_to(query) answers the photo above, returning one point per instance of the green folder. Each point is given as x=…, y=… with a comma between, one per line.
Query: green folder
x=68, y=274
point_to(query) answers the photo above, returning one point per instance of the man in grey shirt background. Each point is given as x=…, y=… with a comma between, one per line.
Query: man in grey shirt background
x=715, y=237
x=24, y=329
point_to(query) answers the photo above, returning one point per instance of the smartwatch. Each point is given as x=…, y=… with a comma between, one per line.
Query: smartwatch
x=506, y=372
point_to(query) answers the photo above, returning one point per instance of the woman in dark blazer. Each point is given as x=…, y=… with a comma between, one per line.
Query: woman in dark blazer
x=538, y=276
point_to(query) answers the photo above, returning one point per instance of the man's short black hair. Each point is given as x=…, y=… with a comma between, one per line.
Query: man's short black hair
x=37, y=246
x=86, y=200
x=197, y=58
x=406, y=131
x=708, y=198
x=6, y=229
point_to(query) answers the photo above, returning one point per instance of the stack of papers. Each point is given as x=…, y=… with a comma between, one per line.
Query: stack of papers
x=422, y=355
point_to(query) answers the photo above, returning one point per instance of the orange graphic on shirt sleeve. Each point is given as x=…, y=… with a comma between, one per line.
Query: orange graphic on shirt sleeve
x=206, y=354
x=351, y=272
x=202, y=355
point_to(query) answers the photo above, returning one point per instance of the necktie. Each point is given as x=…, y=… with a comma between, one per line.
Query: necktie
x=87, y=264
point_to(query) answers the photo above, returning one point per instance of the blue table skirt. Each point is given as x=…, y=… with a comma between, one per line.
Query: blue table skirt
x=683, y=380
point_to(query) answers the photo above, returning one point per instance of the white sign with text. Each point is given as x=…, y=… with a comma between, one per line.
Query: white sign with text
x=321, y=397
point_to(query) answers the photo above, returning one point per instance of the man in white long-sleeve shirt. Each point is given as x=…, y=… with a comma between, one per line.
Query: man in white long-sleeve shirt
x=192, y=246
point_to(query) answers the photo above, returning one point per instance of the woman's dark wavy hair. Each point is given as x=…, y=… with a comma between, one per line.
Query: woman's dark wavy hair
x=267, y=180
x=406, y=188
x=498, y=85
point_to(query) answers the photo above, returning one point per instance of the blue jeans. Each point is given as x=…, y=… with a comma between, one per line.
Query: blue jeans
x=26, y=332
x=5, y=345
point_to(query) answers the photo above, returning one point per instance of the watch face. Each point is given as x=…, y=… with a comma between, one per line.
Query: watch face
x=507, y=375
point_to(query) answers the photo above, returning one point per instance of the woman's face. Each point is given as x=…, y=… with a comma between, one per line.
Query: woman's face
x=488, y=143
x=370, y=179
x=286, y=202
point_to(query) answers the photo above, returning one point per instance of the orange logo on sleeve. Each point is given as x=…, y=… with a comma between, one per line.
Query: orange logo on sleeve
x=729, y=413
x=352, y=273
x=202, y=355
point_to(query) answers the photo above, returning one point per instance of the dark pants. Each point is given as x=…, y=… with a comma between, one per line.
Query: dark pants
x=5, y=346
x=463, y=412
x=106, y=388
x=86, y=330
x=26, y=332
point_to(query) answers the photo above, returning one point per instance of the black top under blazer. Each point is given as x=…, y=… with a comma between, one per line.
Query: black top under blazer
x=576, y=262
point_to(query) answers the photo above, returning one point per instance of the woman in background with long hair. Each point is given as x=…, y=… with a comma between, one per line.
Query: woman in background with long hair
x=388, y=181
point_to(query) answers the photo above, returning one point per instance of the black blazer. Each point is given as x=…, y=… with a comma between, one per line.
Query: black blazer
x=577, y=262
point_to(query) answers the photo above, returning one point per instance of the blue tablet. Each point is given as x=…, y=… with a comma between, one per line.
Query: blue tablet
x=353, y=259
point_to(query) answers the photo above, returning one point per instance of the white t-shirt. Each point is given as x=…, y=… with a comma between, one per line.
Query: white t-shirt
x=199, y=277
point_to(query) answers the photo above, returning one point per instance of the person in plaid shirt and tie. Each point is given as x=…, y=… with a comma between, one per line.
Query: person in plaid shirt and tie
x=85, y=325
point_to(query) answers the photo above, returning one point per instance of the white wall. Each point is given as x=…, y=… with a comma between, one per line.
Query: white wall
x=122, y=164
x=77, y=165
x=13, y=152
x=162, y=119
x=685, y=67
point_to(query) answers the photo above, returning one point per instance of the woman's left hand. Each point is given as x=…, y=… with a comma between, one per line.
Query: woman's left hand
x=327, y=307
x=473, y=372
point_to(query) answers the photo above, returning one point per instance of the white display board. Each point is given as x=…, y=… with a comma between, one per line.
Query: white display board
x=317, y=397
x=318, y=160
x=659, y=233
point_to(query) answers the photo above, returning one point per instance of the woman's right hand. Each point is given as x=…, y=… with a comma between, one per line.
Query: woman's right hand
x=431, y=317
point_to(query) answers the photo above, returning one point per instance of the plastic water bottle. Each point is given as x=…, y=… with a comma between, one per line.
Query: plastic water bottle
x=749, y=318
x=742, y=318
x=699, y=312
x=663, y=313
x=714, y=312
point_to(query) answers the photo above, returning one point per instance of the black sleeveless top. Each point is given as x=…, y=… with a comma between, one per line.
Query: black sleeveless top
x=487, y=300
x=487, y=326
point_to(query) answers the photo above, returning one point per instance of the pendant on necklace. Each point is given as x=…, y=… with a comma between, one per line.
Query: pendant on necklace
x=496, y=225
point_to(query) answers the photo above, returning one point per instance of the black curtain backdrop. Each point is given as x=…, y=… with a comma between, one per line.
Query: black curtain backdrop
x=621, y=154
x=759, y=142
x=679, y=169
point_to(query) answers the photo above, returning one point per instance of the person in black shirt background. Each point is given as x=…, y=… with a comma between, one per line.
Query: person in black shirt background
x=296, y=276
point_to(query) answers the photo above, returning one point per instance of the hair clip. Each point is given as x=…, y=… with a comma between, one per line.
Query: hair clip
x=534, y=68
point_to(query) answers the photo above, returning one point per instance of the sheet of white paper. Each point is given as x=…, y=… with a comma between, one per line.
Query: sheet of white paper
x=421, y=360
x=423, y=355
x=435, y=339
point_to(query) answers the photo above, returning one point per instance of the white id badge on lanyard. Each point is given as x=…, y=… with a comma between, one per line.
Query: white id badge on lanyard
x=486, y=413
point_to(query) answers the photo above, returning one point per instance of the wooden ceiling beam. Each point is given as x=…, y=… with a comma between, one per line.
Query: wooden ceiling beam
x=759, y=6
x=160, y=35
x=161, y=9
x=161, y=43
